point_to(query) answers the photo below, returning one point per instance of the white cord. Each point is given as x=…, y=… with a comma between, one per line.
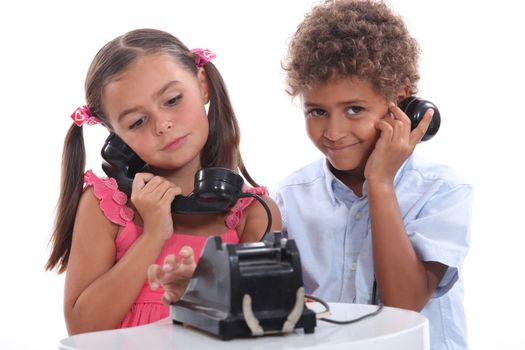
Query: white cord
x=295, y=314
x=249, y=316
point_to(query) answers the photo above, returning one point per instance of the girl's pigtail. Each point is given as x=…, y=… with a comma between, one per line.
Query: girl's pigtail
x=222, y=147
x=71, y=185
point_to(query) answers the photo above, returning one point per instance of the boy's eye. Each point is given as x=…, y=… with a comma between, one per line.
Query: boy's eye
x=354, y=110
x=137, y=124
x=316, y=112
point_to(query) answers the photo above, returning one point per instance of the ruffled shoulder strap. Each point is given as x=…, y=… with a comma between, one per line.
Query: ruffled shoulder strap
x=112, y=200
x=234, y=217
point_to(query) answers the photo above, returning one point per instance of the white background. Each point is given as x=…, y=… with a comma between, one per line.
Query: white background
x=471, y=67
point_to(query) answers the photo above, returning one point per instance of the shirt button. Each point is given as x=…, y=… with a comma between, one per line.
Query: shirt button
x=358, y=216
x=354, y=266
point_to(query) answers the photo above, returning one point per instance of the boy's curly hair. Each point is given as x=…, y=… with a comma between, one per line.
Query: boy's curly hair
x=347, y=38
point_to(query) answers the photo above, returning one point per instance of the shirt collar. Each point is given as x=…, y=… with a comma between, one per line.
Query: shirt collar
x=331, y=182
x=329, y=179
x=336, y=189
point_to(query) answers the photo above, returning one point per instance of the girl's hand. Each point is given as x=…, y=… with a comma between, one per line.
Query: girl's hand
x=173, y=276
x=152, y=196
x=395, y=144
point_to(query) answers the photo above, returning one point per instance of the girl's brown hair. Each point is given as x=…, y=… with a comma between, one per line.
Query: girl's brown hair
x=347, y=38
x=221, y=148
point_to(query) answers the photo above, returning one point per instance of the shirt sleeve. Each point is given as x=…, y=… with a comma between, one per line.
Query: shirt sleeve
x=441, y=231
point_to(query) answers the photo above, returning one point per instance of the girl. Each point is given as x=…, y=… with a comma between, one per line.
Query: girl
x=385, y=220
x=150, y=90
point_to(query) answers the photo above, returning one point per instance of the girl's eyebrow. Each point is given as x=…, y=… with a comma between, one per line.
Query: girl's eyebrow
x=166, y=87
x=155, y=95
x=126, y=112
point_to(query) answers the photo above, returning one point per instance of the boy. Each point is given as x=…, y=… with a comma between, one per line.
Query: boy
x=373, y=222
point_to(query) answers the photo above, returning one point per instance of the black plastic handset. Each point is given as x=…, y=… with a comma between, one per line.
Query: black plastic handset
x=121, y=162
x=415, y=108
x=216, y=189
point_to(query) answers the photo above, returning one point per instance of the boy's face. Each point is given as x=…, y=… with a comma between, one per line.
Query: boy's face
x=340, y=120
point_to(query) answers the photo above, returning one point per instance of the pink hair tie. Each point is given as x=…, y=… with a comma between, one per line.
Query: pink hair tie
x=82, y=115
x=203, y=56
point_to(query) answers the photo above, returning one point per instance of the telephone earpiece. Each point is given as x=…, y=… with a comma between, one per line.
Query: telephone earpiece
x=215, y=190
x=217, y=182
x=415, y=108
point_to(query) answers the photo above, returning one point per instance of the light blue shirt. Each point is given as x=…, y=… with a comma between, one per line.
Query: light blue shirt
x=331, y=227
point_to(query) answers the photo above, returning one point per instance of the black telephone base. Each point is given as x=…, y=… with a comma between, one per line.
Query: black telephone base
x=243, y=290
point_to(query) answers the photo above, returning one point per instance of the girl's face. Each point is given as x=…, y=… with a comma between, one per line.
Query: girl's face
x=157, y=108
x=340, y=119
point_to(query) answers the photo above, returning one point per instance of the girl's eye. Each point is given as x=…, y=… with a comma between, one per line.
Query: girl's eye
x=173, y=101
x=137, y=124
x=352, y=110
x=316, y=113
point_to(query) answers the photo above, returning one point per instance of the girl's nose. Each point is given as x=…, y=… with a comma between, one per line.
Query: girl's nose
x=163, y=126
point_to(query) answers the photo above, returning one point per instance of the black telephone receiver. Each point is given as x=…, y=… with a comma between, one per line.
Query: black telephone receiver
x=415, y=108
x=216, y=189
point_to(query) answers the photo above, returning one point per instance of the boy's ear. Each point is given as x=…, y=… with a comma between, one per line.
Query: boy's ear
x=403, y=93
x=203, y=84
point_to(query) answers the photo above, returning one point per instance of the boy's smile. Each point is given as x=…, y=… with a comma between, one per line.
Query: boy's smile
x=340, y=119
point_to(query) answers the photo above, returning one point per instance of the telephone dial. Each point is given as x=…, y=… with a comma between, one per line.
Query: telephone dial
x=415, y=108
x=216, y=189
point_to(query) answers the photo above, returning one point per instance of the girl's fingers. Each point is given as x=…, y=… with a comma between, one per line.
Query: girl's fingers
x=187, y=255
x=154, y=188
x=170, y=263
x=140, y=180
x=169, y=194
x=155, y=276
x=174, y=274
x=157, y=184
x=167, y=299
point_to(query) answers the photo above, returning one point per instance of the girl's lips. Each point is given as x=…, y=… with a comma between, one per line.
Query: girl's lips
x=172, y=145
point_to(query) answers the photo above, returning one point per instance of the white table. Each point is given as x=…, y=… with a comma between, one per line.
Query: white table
x=392, y=328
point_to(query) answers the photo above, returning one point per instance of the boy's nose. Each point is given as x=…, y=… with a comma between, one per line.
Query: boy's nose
x=333, y=130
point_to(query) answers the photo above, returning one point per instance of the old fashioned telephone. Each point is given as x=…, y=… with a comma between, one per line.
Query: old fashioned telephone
x=247, y=289
x=216, y=189
x=415, y=108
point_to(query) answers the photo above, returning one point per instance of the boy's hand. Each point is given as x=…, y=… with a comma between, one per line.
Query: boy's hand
x=174, y=275
x=395, y=143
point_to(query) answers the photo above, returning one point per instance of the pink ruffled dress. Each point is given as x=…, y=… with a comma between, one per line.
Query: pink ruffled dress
x=148, y=307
